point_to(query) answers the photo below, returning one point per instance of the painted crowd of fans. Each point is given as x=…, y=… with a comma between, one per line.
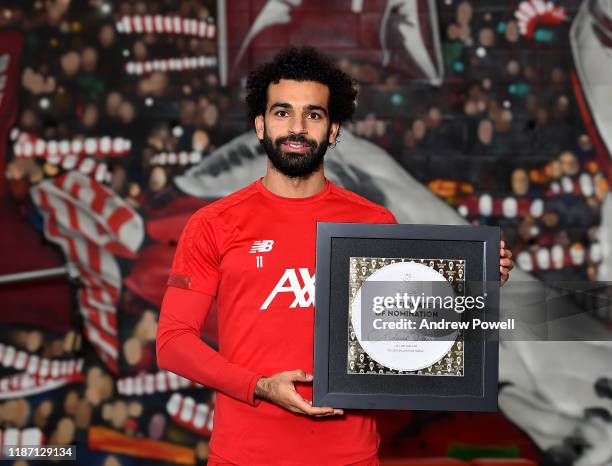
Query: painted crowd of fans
x=501, y=141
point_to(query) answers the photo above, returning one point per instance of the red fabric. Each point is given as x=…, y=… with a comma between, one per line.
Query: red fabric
x=266, y=321
x=180, y=349
x=422, y=462
x=214, y=460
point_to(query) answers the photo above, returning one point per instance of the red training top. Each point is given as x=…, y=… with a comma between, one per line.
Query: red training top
x=255, y=252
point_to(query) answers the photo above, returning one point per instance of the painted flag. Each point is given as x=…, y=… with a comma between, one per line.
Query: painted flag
x=399, y=34
x=92, y=225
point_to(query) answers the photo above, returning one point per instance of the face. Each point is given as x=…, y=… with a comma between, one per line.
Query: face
x=569, y=163
x=554, y=169
x=295, y=130
x=520, y=181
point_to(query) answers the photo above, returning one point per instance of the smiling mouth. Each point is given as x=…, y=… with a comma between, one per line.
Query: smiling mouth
x=295, y=147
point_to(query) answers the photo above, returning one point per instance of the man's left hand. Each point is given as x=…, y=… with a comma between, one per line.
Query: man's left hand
x=506, y=264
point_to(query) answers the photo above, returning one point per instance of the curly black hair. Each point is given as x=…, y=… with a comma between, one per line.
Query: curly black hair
x=302, y=64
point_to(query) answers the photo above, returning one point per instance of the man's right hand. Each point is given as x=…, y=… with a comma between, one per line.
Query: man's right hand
x=280, y=390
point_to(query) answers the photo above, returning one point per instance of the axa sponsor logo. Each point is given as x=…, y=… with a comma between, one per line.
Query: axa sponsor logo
x=259, y=246
x=303, y=291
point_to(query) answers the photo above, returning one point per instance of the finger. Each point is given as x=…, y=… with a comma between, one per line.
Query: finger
x=335, y=411
x=505, y=262
x=329, y=409
x=502, y=244
x=318, y=411
x=301, y=412
x=306, y=408
x=329, y=414
x=323, y=415
x=300, y=376
x=508, y=253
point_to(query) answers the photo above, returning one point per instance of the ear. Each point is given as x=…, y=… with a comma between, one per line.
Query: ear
x=259, y=127
x=333, y=132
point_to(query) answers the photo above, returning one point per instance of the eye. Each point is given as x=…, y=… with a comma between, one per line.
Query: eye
x=314, y=116
x=281, y=113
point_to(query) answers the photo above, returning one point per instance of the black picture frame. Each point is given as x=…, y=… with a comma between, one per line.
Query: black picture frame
x=334, y=386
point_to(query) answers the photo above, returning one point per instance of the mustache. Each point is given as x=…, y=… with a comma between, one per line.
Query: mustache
x=296, y=138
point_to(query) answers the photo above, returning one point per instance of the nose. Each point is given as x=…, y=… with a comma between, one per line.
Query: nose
x=297, y=125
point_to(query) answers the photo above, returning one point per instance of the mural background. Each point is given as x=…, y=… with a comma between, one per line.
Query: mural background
x=119, y=119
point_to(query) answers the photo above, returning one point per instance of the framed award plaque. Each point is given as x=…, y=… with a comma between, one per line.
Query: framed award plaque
x=405, y=317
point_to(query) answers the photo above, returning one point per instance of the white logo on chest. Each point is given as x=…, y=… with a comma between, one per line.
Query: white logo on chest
x=262, y=246
x=290, y=283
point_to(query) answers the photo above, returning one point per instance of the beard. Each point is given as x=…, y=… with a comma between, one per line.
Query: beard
x=295, y=164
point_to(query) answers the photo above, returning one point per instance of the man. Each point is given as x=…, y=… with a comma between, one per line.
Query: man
x=255, y=252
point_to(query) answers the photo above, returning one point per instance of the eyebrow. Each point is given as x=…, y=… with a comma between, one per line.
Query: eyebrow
x=307, y=107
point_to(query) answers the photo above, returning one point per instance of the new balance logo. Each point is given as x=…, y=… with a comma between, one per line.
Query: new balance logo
x=289, y=283
x=262, y=246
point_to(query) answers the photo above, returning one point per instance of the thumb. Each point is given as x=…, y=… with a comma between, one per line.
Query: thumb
x=300, y=376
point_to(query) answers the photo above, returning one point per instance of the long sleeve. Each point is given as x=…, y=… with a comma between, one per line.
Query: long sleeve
x=180, y=349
